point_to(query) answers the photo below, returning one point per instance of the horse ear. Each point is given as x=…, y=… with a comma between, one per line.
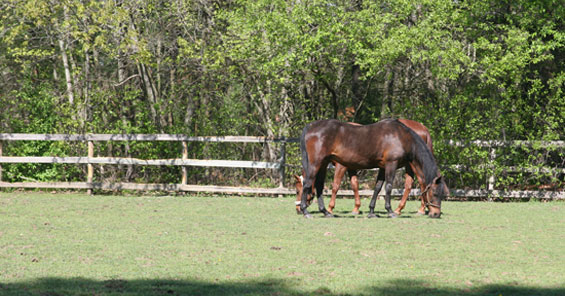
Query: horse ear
x=438, y=180
x=296, y=177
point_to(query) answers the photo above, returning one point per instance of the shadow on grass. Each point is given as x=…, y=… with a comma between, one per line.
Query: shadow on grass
x=82, y=286
x=348, y=214
x=381, y=214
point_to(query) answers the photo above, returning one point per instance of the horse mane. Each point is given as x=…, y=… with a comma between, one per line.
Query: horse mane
x=422, y=154
x=429, y=142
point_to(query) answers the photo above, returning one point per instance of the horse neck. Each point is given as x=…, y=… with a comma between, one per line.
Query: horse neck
x=425, y=164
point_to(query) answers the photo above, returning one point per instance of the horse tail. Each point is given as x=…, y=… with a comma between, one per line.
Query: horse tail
x=305, y=161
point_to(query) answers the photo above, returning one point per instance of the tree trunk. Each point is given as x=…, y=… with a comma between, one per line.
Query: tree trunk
x=86, y=91
x=66, y=66
x=157, y=87
x=356, y=89
x=149, y=92
x=386, y=106
x=264, y=108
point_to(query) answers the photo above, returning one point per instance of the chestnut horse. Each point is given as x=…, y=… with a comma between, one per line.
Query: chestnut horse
x=418, y=128
x=387, y=144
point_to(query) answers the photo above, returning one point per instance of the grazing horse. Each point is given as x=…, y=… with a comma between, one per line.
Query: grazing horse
x=418, y=128
x=387, y=144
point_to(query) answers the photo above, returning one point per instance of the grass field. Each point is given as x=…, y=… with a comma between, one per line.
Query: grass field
x=74, y=244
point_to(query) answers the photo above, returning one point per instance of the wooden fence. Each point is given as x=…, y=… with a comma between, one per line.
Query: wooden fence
x=89, y=160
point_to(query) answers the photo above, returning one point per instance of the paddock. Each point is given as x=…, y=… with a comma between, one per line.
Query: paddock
x=201, y=244
x=207, y=239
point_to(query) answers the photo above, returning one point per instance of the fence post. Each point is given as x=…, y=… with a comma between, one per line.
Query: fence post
x=282, y=163
x=491, y=180
x=90, y=168
x=184, y=179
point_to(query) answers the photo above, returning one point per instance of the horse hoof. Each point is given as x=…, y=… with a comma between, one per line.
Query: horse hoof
x=392, y=215
x=372, y=215
x=355, y=213
x=420, y=213
x=307, y=216
x=328, y=215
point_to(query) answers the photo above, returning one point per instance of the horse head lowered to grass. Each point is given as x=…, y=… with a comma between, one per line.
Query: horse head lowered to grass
x=387, y=144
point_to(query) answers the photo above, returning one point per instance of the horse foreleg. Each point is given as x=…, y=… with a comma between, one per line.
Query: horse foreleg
x=390, y=170
x=423, y=198
x=355, y=187
x=378, y=186
x=419, y=174
x=422, y=209
x=338, y=176
x=407, y=187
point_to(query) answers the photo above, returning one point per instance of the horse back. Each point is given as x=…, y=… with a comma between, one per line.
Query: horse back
x=357, y=147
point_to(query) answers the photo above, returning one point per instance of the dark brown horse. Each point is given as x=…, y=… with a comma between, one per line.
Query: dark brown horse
x=340, y=170
x=388, y=145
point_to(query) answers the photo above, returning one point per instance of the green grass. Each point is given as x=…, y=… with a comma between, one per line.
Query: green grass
x=74, y=244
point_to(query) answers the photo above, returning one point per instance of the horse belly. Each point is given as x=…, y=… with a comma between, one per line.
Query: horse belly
x=357, y=162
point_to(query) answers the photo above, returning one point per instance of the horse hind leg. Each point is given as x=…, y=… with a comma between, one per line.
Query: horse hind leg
x=390, y=170
x=378, y=186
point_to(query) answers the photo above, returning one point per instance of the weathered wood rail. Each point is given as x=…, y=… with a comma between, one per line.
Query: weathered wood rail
x=184, y=162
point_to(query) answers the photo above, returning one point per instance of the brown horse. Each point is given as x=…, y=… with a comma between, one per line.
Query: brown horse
x=418, y=128
x=388, y=144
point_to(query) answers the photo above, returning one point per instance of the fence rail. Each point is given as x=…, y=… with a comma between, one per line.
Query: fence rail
x=140, y=137
x=184, y=162
x=135, y=161
x=495, y=143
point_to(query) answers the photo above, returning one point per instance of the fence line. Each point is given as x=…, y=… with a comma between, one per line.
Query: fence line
x=141, y=137
x=496, y=143
x=184, y=162
x=135, y=161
